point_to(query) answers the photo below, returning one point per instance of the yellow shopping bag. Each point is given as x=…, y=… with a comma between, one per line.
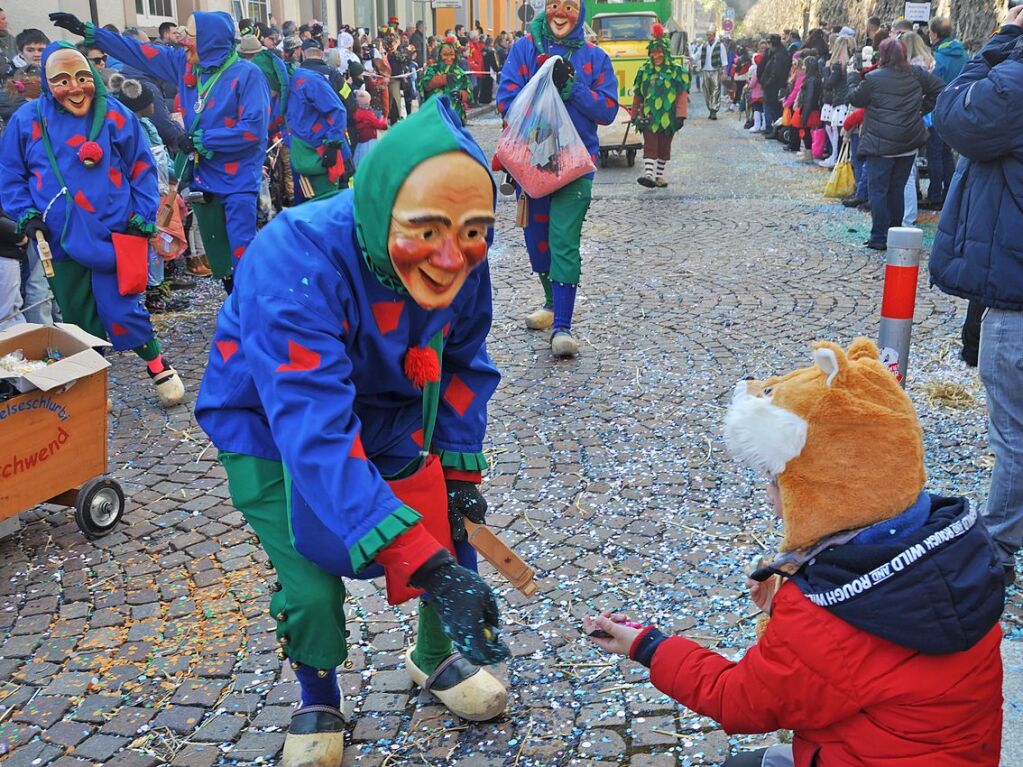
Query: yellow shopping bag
x=842, y=182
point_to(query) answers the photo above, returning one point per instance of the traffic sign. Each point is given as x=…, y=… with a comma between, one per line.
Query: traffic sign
x=538, y=5
x=727, y=25
x=526, y=13
x=730, y=12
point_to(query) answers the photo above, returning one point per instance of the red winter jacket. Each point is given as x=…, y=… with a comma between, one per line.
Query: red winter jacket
x=367, y=124
x=852, y=698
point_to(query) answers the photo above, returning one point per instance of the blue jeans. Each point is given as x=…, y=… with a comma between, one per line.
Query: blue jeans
x=772, y=109
x=1001, y=370
x=940, y=166
x=859, y=167
x=886, y=182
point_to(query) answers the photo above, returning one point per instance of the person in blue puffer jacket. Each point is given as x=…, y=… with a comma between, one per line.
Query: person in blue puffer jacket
x=978, y=252
x=227, y=109
x=590, y=91
x=949, y=59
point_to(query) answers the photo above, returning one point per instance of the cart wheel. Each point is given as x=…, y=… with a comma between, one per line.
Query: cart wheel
x=99, y=506
x=603, y=158
x=630, y=157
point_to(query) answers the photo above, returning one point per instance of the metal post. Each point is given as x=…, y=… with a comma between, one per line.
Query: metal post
x=899, y=300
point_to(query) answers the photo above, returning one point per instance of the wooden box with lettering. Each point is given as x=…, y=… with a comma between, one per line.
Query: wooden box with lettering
x=53, y=437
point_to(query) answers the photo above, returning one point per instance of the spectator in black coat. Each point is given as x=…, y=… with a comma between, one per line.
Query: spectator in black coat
x=773, y=73
x=896, y=96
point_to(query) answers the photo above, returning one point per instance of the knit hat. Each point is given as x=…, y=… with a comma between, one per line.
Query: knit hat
x=249, y=46
x=840, y=437
x=355, y=69
x=134, y=95
x=433, y=130
x=362, y=98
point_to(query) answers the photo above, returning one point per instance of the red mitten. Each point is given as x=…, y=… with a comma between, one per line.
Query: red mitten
x=407, y=553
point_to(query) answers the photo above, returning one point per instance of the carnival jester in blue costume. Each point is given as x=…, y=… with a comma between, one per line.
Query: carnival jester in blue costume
x=590, y=91
x=347, y=391
x=77, y=171
x=227, y=108
x=316, y=124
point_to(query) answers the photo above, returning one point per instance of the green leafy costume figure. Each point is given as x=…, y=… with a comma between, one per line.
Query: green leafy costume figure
x=659, y=107
x=445, y=76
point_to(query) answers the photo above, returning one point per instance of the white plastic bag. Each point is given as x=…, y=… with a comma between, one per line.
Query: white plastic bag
x=540, y=146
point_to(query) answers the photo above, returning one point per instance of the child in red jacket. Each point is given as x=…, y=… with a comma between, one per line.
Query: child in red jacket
x=367, y=123
x=882, y=646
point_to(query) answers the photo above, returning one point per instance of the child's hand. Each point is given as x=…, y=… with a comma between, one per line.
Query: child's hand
x=762, y=592
x=622, y=636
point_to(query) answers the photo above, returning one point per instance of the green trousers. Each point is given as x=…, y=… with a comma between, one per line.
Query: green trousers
x=307, y=601
x=554, y=228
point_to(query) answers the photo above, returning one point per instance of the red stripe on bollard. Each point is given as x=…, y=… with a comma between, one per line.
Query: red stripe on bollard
x=899, y=292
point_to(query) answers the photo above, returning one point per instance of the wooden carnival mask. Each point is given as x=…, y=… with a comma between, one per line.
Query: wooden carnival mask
x=70, y=81
x=439, y=226
x=562, y=16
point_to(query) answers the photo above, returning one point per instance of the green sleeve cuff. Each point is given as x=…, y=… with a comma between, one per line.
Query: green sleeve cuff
x=364, y=552
x=451, y=459
x=139, y=224
x=197, y=140
x=90, y=34
x=27, y=216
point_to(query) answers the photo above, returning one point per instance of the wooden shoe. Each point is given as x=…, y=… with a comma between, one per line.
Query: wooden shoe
x=563, y=344
x=466, y=690
x=316, y=738
x=541, y=319
x=198, y=266
x=660, y=183
x=646, y=181
x=169, y=387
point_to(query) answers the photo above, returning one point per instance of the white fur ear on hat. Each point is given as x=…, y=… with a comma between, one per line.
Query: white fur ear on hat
x=826, y=360
x=761, y=434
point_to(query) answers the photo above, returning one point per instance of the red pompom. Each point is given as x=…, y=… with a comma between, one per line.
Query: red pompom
x=90, y=153
x=190, y=79
x=657, y=30
x=452, y=41
x=422, y=366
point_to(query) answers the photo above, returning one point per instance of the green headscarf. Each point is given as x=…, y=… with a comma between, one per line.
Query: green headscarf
x=431, y=131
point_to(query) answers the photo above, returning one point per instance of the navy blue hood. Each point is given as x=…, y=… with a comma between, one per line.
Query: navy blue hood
x=935, y=587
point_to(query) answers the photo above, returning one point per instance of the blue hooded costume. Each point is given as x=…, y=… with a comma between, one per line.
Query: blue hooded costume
x=84, y=206
x=591, y=99
x=316, y=117
x=230, y=130
x=307, y=371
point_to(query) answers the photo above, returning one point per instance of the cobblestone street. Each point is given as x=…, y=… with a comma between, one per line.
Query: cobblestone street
x=608, y=475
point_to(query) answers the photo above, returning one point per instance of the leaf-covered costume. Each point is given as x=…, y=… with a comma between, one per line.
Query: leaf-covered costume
x=658, y=89
x=43, y=175
x=458, y=81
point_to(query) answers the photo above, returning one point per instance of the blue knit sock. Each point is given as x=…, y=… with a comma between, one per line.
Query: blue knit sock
x=318, y=690
x=564, y=303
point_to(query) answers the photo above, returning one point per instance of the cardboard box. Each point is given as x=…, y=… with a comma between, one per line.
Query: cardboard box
x=54, y=437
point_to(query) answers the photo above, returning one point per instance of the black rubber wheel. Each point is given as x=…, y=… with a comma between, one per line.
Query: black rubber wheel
x=603, y=158
x=630, y=157
x=99, y=507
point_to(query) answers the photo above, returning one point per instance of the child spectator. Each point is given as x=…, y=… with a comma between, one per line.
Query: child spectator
x=882, y=646
x=367, y=123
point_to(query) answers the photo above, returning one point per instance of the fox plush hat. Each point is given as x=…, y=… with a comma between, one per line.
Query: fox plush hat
x=841, y=438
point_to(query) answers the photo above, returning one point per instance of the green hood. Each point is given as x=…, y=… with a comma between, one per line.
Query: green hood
x=435, y=129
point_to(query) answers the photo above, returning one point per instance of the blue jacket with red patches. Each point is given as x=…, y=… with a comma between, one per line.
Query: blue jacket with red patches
x=594, y=97
x=306, y=367
x=122, y=183
x=315, y=112
x=235, y=116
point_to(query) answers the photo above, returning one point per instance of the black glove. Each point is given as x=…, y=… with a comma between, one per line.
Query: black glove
x=466, y=607
x=186, y=145
x=330, y=152
x=561, y=73
x=465, y=501
x=70, y=22
x=36, y=224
